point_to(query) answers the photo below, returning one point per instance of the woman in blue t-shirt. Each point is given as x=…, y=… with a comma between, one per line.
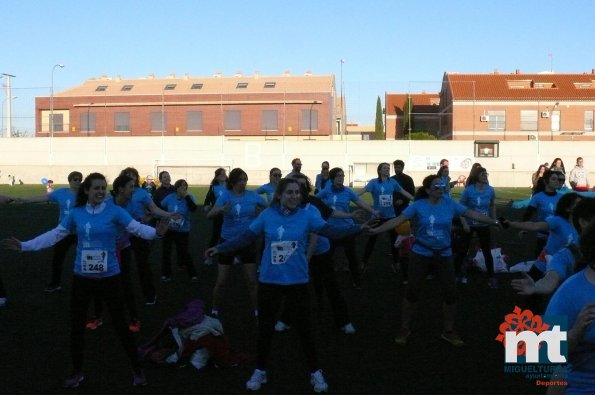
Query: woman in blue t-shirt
x=238, y=207
x=269, y=188
x=179, y=231
x=339, y=198
x=284, y=272
x=432, y=215
x=216, y=189
x=575, y=300
x=382, y=190
x=64, y=198
x=481, y=197
x=562, y=263
x=96, y=267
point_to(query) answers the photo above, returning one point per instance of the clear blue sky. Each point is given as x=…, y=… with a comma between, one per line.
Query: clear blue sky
x=388, y=46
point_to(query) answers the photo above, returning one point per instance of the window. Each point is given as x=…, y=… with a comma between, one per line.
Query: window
x=555, y=119
x=169, y=87
x=270, y=84
x=58, y=120
x=101, y=88
x=193, y=121
x=270, y=120
x=158, y=121
x=496, y=120
x=122, y=121
x=196, y=86
x=242, y=85
x=232, y=120
x=310, y=119
x=87, y=122
x=126, y=88
x=487, y=148
x=529, y=120
x=588, y=125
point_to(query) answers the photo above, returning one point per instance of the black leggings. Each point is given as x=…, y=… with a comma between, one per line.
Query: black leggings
x=485, y=243
x=348, y=243
x=125, y=258
x=108, y=289
x=322, y=277
x=60, y=250
x=444, y=269
x=297, y=302
x=142, y=249
x=392, y=236
x=180, y=239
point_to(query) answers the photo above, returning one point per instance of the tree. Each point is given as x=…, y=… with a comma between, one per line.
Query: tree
x=379, y=127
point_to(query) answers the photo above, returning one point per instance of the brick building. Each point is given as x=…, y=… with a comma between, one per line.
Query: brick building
x=496, y=107
x=237, y=105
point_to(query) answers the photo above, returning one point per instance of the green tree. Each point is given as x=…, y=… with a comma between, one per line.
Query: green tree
x=379, y=127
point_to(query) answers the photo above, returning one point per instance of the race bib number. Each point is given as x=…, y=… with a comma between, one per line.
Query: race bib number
x=385, y=200
x=94, y=261
x=281, y=251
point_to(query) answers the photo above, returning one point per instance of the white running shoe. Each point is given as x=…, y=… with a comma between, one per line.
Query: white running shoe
x=259, y=377
x=281, y=326
x=318, y=382
x=348, y=329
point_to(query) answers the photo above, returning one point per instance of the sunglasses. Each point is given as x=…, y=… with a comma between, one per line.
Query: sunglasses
x=276, y=175
x=561, y=179
x=438, y=186
x=77, y=179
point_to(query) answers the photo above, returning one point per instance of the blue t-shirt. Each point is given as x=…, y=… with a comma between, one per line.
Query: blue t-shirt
x=446, y=182
x=338, y=199
x=562, y=263
x=568, y=301
x=546, y=207
x=97, y=235
x=243, y=211
x=267, y=189
x=65, y=199
x=123, y=237
x=322, y=243
x=479, y=201
x=382, y=193
x=562, y=233
x=433, y=224
x=136, y=206
x=286, y=241
x=173, y=204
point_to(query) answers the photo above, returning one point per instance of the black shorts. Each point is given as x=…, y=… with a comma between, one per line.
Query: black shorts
x=246, y=255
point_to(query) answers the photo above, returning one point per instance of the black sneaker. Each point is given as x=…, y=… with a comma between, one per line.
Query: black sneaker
x=53, y=288
x=151, y=301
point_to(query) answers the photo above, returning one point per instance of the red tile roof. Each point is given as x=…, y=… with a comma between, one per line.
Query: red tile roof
x=529, y=86
x=427, y=101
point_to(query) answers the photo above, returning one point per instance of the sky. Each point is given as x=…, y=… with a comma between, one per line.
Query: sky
x=392, y=46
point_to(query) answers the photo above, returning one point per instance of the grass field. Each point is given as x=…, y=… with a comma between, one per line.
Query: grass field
x=34, y=327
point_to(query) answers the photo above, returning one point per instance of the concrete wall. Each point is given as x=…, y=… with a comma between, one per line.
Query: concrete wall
x=195, y=158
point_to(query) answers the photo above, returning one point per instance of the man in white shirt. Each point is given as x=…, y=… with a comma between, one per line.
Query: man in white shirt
x=578, y=176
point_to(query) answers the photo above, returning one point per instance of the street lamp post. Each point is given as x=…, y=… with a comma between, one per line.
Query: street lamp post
x=341, y=127
x=9, y=102
x=9, y=124
x=52, y=99
x=52, y=113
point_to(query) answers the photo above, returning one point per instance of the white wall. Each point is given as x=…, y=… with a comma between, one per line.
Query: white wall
x=195, y=158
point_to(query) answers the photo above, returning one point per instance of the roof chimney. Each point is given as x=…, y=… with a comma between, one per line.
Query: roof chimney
x=218, y=74
x=518, y=71
x=308, y=73
x=592, y=71
x=171, y=76
x=151, y=76
x=496, y=71
x=238, y=74
x=287, y=73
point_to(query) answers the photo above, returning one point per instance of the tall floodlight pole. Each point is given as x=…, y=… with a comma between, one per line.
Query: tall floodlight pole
x=8, y=99
x=341, y=128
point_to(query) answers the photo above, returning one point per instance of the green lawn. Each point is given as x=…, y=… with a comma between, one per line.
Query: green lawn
x=503, y=195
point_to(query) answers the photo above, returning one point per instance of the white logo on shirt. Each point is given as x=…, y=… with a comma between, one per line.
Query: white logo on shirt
x=280, y=231
x=88, y=230
x=238, y=208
